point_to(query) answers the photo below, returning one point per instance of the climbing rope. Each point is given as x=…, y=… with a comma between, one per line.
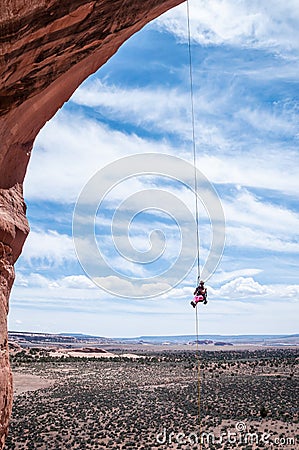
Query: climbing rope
x=193, y=141
x=198, y=379
x=196, y=211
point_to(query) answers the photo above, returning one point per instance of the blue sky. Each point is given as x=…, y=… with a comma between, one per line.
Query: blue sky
x=245, y=70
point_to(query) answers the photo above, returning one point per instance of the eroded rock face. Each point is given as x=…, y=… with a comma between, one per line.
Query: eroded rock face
x=47, y=48
x=6, y=281
x=13, y=232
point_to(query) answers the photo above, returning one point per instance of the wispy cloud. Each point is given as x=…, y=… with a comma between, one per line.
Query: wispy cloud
x=142, y=106
x=73, y=136
x=245, y=208
x=269, y=25
x=75, y=147
x=46, y=249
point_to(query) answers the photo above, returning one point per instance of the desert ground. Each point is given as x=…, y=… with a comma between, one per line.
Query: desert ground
x=145, y=398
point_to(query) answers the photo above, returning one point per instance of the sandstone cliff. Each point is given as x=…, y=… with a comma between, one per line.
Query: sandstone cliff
x=47, y=48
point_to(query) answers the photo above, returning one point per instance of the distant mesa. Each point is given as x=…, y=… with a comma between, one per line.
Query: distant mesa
x=222, y=343
x=209, y=342
x=27, y=338
x=83, y=341
x=201, y=342
x=89, y=350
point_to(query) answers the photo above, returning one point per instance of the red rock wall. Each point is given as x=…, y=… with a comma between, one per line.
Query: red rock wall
x=13, y=232
x=47, y=48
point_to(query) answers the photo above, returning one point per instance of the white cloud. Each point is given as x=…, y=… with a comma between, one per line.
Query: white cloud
x=260, y=240
x=278, y=217
x=248, y=210
x=248, y=288
x=242, y=287
x=257, y=169
x=80, y=287
x=75, y=282
x=229, y=149
x=33, y=280
x=36, y=280
x=139, y=105
x=270, y=25
x=221, y=276
x=70, y=149
x=272, y=121
x=291, y=292
x=128, y=288
x=158, y=108
x=75, y=147
x=48, y=248
x=166, y=109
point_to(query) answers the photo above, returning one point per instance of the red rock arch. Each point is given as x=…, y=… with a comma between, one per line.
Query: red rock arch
x=47, y=49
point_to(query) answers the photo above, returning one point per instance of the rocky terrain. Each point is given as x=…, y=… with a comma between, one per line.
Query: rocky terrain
x=152, y=402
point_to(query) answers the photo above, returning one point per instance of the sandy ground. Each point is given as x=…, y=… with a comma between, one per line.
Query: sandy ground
x=24, y=383
x=78, y=354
